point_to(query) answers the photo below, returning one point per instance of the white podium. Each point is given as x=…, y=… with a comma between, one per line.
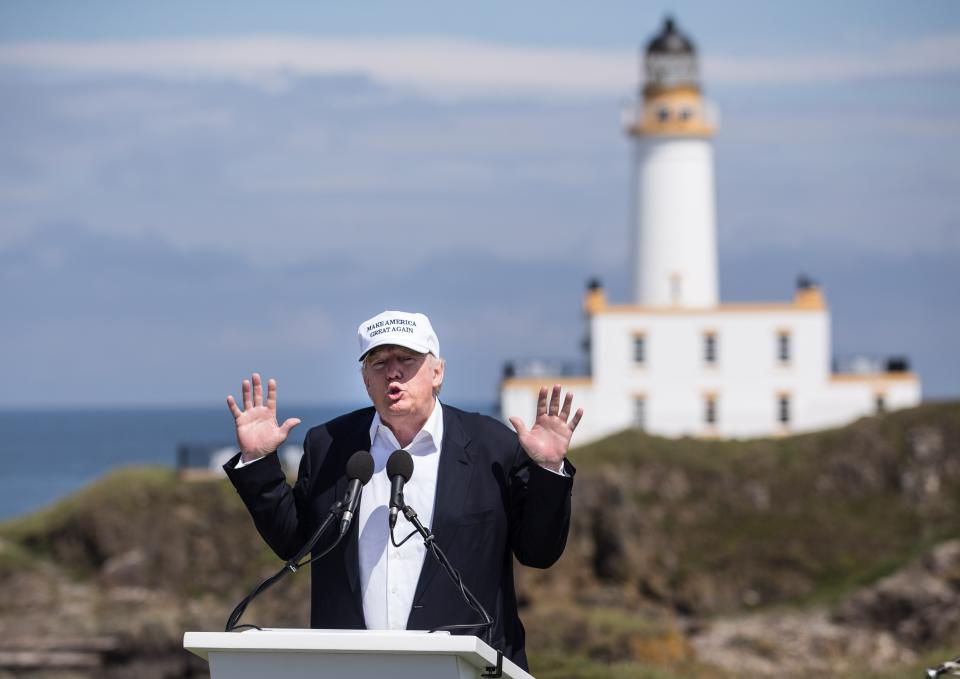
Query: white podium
x=358, y=654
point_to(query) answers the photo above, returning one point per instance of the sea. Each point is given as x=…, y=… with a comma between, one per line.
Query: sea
x=47, y=454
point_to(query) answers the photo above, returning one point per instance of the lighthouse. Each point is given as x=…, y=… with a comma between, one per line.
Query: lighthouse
x=675, y=360
x=674, y=248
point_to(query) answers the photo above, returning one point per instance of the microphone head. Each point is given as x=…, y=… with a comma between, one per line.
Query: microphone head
x=360, y=466
x=400, y=464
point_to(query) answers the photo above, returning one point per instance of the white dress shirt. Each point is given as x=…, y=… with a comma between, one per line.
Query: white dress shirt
x=388, y=574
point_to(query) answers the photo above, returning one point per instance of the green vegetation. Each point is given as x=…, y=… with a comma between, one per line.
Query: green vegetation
x=668, y=537
x=177, y=535
x=798, y=520
x=560, y=666
x=122, y=489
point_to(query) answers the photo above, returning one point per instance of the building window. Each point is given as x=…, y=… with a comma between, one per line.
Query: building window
x=710, y=348
x=783, y=409
x=710, y=410
x=639, y=348
x=640, y=412
x=783, y=346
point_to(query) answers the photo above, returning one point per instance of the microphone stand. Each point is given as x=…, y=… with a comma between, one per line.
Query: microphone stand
x=431, y=543
x=290, y=566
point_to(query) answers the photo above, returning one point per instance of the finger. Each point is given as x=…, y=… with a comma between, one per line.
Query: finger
x=272, y=394
x=554, y=400
x=542, y=402
x=234, y=408
x=576, y=419
x=257, y=390
x=519, y=425
x=247, y=398
x=567, y=403
x=289, y=424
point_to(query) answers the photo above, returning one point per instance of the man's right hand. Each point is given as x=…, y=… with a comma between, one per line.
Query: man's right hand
x=258, y=433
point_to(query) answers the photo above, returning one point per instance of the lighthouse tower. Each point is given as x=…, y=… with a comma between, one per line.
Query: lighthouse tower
x=676, y=361
x=674, y=207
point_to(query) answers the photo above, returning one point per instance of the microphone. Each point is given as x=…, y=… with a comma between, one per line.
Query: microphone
x=359, y=470
x=399, y=471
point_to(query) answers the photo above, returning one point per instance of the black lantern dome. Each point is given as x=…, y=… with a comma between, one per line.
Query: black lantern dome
x=670, y=41
x=670, y=60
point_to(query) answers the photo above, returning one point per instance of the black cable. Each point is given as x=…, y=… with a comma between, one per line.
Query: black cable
x=398, y=544
x=291, y=566
x=430, y=541
x=359, y=470
x=465, y=593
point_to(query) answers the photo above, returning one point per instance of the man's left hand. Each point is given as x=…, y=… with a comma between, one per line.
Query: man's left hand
x=547, y=442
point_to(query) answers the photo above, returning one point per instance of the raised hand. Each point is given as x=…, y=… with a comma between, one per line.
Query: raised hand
x=547, y=442
x=257, y=430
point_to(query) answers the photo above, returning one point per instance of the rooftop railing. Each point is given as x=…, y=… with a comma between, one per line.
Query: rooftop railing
x=545, y=367
x=860, y=364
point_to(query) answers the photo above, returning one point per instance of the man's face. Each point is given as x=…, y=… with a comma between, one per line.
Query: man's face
x=401, y=382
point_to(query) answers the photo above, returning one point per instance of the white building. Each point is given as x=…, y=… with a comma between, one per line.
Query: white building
x=676, y=361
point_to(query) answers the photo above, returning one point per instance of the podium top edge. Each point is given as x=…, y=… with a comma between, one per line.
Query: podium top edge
x=333, y=640
x=346, y=641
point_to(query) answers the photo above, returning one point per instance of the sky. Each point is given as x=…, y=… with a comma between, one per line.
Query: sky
x=193, y=191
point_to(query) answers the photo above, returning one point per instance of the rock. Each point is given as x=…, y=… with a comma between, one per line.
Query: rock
x=795, y=644
x=920, y=604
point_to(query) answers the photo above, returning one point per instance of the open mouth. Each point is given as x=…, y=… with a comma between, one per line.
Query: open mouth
x=394, y=392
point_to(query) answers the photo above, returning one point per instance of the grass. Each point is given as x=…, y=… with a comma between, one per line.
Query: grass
x=122, y=489
x=926, y=660
x=837, y=512
x=589, y=643
x=565, y=666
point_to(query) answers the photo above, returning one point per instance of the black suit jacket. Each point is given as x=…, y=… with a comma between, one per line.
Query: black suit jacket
x=492, y=503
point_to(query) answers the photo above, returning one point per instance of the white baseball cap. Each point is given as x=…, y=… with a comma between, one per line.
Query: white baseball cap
x=402, y=328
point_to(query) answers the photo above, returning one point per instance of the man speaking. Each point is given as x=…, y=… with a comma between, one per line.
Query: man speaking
x=487, y=493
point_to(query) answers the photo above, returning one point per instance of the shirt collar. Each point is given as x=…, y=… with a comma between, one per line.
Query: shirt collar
x=432, y=429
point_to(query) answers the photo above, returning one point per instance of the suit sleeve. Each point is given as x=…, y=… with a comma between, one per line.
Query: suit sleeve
x=539, y=511
x=279, y=512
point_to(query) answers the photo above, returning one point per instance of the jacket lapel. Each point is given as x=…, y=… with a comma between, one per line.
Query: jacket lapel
x=358, y=439
x=453, y=484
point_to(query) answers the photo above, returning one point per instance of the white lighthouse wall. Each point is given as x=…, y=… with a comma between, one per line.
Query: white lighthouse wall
x=848, y=397
x=745, y=381
x=675, y=260
x=518, y=398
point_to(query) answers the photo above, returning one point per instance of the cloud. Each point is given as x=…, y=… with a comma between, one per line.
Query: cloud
x=108, y=319
x=325, y=166
x=100, y=318
x=928, y=56
x=429, y=65
x=18, y=192
x=455, y=67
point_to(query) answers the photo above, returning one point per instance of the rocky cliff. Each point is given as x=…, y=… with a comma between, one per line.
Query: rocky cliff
x=832, y=553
